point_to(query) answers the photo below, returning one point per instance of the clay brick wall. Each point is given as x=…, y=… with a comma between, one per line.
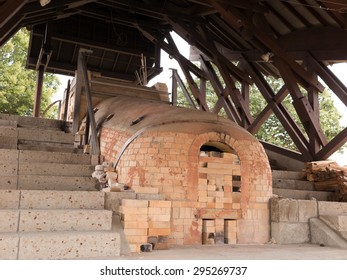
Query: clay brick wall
x=232, y=189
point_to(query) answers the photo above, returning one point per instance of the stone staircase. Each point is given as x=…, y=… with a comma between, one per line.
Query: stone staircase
x=292, y=184
x=302, y=214
x=49, y=205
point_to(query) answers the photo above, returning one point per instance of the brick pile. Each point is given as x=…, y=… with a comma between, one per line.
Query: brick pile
x=146, y=221
x=219, y=180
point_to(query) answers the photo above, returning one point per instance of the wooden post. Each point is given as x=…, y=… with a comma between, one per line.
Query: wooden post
x=38, y=93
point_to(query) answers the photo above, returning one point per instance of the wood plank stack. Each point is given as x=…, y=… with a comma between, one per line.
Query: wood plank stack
x=328, y=176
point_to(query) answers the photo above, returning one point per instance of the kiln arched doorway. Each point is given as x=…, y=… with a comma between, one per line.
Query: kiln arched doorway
x=219, y=188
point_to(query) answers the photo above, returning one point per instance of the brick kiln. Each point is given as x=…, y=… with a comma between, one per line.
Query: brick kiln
x=214, y=176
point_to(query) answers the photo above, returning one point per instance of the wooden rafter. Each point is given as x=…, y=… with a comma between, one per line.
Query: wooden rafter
x=223, y=100
x=281, y=113
x=237, y=19
x=301, y=104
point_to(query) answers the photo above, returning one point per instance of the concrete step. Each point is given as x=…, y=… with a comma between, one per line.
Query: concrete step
x=337, y=222
x=54, y=157
x=34, y=220
x=292, y=184
x=321, y=233
x=301, y=194
x=8, y=137
x=332, y=208
x=59, y=245
x=31, y=199
x=9, y=220
x=10, y=123
x=47, y=136
x=25, y=121
x=37, y=199
x=8, y=182
x=28, y=182
x=48, y=147
x=289, y=175
x=55, y=169
x=8, y=168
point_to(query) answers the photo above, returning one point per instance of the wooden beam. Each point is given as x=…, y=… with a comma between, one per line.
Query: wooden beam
x=237, y=20
x=223, y=100
x=203, y=42
x=9, y=9
x=329, y=78
x=314, y=102
x=300, y=102
x=283, y=151
x=332, y=146
x=186, y=94
x=281, y=113
x=265, y=114
x=185, y=69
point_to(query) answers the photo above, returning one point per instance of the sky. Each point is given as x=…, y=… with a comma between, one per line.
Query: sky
x=339, y=69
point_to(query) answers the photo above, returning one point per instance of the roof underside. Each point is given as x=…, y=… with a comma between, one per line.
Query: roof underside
x=114, y=29
x=244, y=40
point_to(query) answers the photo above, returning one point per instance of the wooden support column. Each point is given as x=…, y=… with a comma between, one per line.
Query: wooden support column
x=314, y=102
x=174, y=88
x=184, y=90
x=192, y=85
x=265, y=114
x=300, y=102
x=38, y=92
x=223, y=100
x=41, y=65
x=281, y=113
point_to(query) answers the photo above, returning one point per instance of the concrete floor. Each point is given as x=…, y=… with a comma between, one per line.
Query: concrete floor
x=244, y=252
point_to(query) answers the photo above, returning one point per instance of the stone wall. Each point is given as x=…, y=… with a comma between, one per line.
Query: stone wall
x=290, y=218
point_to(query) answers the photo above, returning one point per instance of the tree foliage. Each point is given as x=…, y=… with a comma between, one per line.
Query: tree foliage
x=17, y=84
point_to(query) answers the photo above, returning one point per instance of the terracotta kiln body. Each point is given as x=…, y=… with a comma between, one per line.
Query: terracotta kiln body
x=215, y=174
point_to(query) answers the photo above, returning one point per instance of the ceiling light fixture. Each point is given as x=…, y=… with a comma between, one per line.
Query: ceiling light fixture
x=44, y=2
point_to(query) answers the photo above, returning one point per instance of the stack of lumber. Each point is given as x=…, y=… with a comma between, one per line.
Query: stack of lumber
x=328, y=176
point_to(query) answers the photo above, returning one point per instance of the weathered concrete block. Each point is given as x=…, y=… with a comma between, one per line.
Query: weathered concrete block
x=8, y=246
x=9, y=220
x=8, y=168
x=45, y=136
x=113, y=199
x=332, y=208
x=69, y=245
x=8, y=155
x=9, y=199
x=300, y=194
x=338, y=223
x=55, y=169
x=61, y=199
x=8, y=182
x=64, y=220
x=284, y=210
x=307, y=210
x=8, y=131
x=321, y=233
x=54, y=157
x=290, y=233
x=28, y=182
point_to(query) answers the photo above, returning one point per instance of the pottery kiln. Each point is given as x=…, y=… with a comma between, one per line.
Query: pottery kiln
x=214, y=175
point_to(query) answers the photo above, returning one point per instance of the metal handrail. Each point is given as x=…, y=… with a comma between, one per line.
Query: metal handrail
x=50, y=106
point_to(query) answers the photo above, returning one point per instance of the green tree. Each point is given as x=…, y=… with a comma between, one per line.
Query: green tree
x=17, y=84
